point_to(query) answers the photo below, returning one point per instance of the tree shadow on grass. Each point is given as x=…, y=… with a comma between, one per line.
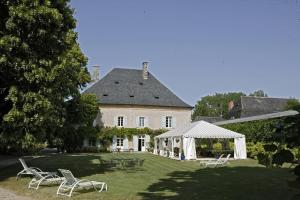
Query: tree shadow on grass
x=224, y=183
x=80, y=165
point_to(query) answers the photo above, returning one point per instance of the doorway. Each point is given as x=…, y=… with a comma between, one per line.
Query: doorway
x=141, y=143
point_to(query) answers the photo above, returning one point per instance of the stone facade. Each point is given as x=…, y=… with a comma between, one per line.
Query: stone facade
x=155, y=117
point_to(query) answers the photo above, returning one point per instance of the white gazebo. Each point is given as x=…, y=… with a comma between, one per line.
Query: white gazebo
x=184, y=138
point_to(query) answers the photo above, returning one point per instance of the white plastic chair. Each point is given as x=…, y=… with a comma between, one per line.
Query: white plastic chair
x=205, y=163
x=26, y=170
x=219, y=163
x=49, y=178
x=66, y=187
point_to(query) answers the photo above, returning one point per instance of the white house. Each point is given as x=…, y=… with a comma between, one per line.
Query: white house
x=133, y=98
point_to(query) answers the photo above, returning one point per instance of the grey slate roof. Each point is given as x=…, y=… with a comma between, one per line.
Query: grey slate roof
x=127, y=87
x=258, y=117
x=251, y=106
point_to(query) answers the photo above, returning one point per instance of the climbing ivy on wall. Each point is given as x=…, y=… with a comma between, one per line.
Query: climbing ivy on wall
x=107, y=133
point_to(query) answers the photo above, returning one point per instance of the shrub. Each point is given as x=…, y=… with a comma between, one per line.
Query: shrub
x=253, y=149
x=217, y=146
x=270, y=147
x=282, y=156
x=264, y=159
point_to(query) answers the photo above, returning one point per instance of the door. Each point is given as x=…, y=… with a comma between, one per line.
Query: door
x=141, y=143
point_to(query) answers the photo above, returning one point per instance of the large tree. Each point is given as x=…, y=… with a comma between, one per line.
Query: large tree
x=215, y=105
x=41, y=67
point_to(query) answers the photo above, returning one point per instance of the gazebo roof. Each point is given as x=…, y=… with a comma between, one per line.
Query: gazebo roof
x=201, y=129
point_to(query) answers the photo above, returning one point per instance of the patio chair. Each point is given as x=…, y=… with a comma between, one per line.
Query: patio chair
x=38, y=179
x=66, y=187
x=26, y=170
x=219, y=163
x=205, y=163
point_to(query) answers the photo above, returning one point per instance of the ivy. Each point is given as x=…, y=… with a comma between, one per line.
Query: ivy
x=107, y=133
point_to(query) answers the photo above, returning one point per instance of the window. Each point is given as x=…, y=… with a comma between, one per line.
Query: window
x=121, y=121
x=168, y=122
x=141, y=121
x=119, y=142
x=92, y=142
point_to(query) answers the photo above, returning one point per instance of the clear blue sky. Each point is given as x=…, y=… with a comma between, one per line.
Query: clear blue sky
x=194, y=47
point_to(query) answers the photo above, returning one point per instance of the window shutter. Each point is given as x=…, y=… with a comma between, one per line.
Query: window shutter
x=137, y=120
x=125, y=143
x=146, y=122
x=163, y=122
x=114, y=143
x=125, y=121
x=173, y=122
x=116, y=121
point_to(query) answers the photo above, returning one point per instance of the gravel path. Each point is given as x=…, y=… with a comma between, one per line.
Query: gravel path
x=9, y=195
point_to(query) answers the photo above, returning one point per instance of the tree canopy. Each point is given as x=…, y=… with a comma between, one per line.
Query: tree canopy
x=215, y=105
x=258, y=93
x=41, y=68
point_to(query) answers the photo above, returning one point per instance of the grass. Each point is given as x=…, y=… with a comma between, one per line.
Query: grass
x=160, y=178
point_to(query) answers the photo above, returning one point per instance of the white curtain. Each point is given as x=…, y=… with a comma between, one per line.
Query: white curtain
x=161, y=147
x=189, y=148
x=155, y=146
x=240, y=151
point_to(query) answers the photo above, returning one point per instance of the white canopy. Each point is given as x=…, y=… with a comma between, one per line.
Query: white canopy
x=203, y=129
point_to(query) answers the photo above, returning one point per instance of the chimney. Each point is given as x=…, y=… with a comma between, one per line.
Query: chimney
x=230, y=105
x=145, y=71
x=95, y=73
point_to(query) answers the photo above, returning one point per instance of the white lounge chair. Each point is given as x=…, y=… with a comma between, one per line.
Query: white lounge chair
x=205, y=163
x=66, y=187
x=219, y=163
x=38, y=179
x=26, y=170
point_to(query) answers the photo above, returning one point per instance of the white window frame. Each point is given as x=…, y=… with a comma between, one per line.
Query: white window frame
x=141, y=121
x=120, y=121
x=120, y=142
x=169, y=122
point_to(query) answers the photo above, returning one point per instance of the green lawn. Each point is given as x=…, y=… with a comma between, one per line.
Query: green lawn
x=160, y=178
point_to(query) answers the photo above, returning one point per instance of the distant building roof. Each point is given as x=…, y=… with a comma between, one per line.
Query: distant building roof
x=258, y=117
x=263, y=103
x=248, y=106
x=128, y=87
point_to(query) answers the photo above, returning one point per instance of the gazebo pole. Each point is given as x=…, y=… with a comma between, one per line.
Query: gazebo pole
x=155, y=146
x=172, y=146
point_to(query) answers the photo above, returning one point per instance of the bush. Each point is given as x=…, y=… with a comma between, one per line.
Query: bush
x=282, y=156
x=264, y=159
x=270, y=147
x=253, y=149
x=217, y=146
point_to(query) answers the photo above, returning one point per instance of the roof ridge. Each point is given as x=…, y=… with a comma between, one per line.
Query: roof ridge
x=264, y=97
